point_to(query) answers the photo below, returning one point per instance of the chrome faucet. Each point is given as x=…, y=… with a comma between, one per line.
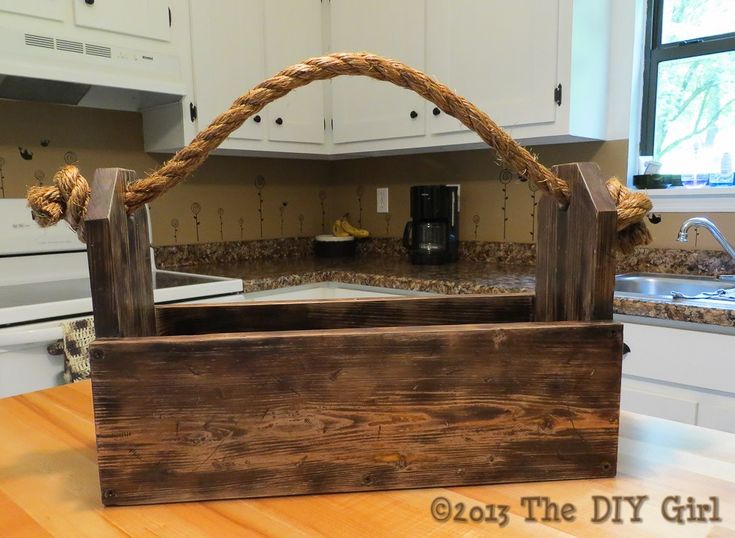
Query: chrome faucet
x=702, y=222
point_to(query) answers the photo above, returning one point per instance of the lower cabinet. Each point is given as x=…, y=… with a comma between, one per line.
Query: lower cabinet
x=680, y=374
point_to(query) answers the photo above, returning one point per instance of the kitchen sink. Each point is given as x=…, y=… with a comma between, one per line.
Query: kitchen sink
x=661, y=285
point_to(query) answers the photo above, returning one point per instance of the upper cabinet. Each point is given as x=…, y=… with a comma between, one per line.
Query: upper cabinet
x=539, y=68
x=363, y=108
x=497, y=56
x=293, y=32
x=228, y=56
x=236, y=44
x=141, y=18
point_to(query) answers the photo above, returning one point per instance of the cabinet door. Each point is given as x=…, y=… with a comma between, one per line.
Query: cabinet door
x=500, y=55
x=43, y=9
x=293, y=32
x=227, y=58
x=366, y=109
x=141, y=18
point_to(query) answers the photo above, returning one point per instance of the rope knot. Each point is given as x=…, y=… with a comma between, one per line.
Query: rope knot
x=66, y=199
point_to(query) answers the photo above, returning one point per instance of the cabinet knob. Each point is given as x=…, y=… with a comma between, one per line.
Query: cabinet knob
x=436, y=111
x=279, y=121
x=256, y=119
x=414, y=114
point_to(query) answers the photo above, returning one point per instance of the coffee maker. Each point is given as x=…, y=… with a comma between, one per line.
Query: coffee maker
x=432, y=234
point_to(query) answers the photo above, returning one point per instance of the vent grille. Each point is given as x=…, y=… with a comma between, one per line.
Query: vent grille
x=98, y=50
x=69, y=46
x=42, y=41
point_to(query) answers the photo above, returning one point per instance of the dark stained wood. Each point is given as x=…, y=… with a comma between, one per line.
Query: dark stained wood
x=336, y=314
x=575, y=271
x=280, y=413
x=141, y=273
x=122, y=293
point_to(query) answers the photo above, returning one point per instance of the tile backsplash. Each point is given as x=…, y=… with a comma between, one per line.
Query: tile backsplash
x=248, y=198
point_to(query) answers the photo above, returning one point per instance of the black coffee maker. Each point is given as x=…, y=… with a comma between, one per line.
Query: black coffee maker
x=432, y=234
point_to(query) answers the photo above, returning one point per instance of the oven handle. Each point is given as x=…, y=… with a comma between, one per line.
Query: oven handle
x=22, y=336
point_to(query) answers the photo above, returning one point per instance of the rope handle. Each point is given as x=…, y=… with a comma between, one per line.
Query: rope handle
x=67, y=199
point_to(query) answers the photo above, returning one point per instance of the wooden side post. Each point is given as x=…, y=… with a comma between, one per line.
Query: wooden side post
x=118, y=253
x=575, y=261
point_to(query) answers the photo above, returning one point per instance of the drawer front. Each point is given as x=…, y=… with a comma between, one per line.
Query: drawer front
x=659, y=405
x=692, y=358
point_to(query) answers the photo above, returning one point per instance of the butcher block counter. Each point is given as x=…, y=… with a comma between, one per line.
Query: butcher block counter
x=49, y=487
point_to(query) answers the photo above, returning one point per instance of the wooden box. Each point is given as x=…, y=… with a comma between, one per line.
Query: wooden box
x=220, y=401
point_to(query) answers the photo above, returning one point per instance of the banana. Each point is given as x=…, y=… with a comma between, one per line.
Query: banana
x=350, y=229
x=337, y=229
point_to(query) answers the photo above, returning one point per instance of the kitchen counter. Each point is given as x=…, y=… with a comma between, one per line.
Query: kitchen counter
x=461, y=277
x=49, y=486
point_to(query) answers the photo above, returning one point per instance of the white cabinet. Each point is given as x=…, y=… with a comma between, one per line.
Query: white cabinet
x=500, y=55
x=363, y=108
x=228, y=58
x=43, y=9
x=538, y=67
x=680, y=374
x=293, y=32
x=238, y=43
x=151, y=19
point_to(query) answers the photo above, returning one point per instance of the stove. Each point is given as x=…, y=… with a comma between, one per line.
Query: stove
x=44, y=280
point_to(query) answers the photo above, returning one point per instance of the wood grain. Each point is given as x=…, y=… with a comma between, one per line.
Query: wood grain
x=294, y=412
x=575, y=261
x=117, y=253
x=49, y=487
x=337, y=314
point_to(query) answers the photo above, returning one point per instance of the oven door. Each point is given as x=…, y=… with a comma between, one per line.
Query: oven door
x=25, y=364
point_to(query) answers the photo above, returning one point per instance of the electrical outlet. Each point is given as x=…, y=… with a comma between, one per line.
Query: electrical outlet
x=382, y=199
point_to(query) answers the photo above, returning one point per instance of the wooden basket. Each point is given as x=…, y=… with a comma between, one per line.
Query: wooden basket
x=219, y=401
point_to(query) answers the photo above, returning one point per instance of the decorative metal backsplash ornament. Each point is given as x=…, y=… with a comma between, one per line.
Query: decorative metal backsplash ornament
x=322, y=199
x=221, y=214
x=534, y=203
x=241, y=222
x=2, y=178
x=175, y=226
x=505, y=178
x=360, y=191
x=40, y=176
x=301, y=224
x=282, y=214
x=476, y=222
x=70, y=157
x=260, y=185
x=195, y=210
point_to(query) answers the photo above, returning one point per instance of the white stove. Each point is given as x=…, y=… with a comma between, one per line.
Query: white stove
x=44, y=279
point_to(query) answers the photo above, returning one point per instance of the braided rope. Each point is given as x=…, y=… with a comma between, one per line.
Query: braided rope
x=68, y=198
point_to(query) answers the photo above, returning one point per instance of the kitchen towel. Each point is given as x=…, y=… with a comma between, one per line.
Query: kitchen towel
x=78, y=334
x=720, y=295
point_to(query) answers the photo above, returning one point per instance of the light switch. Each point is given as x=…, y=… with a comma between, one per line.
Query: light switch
x=382, y=199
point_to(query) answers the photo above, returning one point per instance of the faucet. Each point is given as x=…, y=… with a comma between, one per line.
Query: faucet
x=711, y=226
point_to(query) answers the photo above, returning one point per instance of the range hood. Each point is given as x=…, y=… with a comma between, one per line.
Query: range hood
x=71, y=70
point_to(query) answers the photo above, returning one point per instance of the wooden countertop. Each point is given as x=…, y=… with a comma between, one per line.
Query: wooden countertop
x=49, y=487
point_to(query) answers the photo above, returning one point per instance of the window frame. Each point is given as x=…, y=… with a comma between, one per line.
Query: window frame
x=656, y=52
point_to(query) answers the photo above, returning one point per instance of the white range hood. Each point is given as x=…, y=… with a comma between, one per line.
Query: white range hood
x=115, y=55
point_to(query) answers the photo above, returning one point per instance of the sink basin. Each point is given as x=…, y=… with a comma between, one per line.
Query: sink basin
x=661, y=286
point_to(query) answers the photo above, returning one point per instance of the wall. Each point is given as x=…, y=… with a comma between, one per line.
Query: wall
x=107, y=138
x=100, y=138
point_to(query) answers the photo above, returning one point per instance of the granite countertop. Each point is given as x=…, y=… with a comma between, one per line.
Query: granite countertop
x=462, y=277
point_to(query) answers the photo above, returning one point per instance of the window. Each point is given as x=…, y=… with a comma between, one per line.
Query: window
x=688, y=119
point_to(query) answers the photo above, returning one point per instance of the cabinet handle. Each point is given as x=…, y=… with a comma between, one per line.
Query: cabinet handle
x=436, y=111
x=414, y=114
x=279, y=121
x=626, y=349
x=89, y=2
x=256, y=119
